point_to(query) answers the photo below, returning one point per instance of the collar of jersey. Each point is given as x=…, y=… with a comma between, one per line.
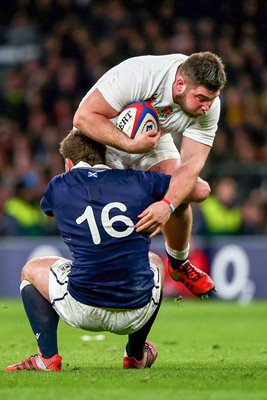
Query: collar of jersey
x=98, y=167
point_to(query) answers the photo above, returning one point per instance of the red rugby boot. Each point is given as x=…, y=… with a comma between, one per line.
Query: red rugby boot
x=38, y=363
x=197, y=281
x=149, y=357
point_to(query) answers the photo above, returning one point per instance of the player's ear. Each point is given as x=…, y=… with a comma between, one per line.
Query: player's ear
x=180, y=84
x=68, y=164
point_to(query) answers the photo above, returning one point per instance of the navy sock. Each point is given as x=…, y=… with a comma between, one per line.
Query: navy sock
x=43, y=320
x=175, y=264
x=137, y=339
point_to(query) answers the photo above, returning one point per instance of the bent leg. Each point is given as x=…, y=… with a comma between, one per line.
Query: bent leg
x=36, y=272
x=177, y=231
x=41, y=315
x=35, y=297
x=136, y=340
x=157, y=261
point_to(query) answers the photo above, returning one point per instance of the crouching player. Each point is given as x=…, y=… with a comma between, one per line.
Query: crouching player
x=112, y=283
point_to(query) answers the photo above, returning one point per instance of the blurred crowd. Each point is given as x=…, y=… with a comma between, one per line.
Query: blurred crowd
x=51, y=52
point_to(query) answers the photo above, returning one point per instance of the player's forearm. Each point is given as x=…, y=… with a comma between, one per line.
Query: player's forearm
x=193, y=158
x=181, y=185
x=102, y=130
x=99, y=128
x=93, y=118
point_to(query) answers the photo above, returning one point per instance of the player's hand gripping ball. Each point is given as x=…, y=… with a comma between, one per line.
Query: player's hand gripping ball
x=136, y=118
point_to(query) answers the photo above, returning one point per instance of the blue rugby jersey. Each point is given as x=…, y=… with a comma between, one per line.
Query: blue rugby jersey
x=96, y=211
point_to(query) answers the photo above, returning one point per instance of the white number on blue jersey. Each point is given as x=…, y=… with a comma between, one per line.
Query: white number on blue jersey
x=106, y=221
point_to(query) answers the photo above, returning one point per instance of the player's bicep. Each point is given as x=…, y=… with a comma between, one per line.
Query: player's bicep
x=124, y=87
x=94, y=103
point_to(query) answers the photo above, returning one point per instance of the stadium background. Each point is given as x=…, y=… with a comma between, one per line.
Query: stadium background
x=51, y=52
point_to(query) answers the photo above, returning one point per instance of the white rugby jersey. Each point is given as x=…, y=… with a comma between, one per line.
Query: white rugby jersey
x=151, y=78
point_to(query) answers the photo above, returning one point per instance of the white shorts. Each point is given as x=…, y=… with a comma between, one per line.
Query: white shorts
x=97, y=319
x=166, y=150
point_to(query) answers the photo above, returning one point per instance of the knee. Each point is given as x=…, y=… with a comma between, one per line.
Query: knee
x=200, y=192
x=25, y=272
x=28, y=270
x=157, y=261
x=154, y=258
x=204, y=191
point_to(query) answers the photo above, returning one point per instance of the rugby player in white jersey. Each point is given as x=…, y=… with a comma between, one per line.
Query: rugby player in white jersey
x=185, y=92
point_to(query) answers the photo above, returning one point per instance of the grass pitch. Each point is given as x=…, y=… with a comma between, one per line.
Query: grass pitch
x=207, y=351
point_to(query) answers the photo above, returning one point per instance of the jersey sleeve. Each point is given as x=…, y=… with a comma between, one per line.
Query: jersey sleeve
x=156, y=183
x=203, y=129
x=46, y=202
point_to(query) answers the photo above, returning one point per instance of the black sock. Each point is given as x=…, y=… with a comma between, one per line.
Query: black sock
x=43, y=320
x=175, y=264
x=137, y=339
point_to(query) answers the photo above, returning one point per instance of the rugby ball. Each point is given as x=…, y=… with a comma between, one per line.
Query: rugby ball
x=136, y=118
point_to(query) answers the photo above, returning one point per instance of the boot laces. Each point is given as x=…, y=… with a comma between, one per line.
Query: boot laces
x=191, y=273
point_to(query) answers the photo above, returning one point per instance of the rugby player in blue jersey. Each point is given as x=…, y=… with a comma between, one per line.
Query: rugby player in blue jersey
x=113, y=282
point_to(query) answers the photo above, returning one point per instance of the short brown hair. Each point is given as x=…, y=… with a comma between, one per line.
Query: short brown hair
x=204, y=69
x=79, y=147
